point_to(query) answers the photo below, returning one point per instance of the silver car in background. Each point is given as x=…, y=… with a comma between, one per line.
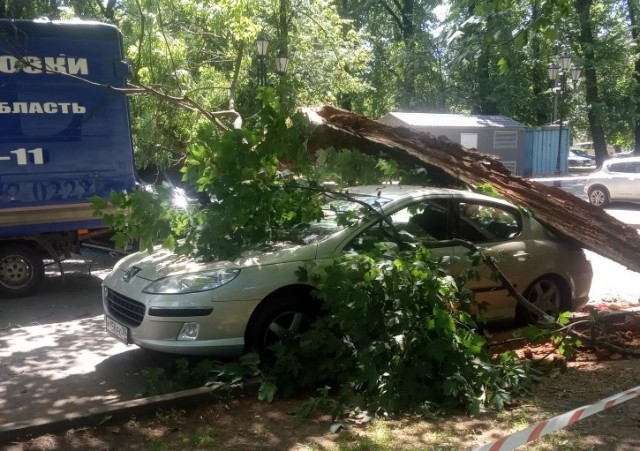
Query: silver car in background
x=616, y=180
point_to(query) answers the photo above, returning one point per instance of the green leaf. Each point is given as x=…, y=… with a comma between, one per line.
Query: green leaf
x=564, y=318
x=503, y=65
x=267, y=391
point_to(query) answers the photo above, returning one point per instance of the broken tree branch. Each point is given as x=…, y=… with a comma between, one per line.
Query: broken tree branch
x=451, y=163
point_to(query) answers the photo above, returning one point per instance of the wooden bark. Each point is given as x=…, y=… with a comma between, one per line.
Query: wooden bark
x=452, y=164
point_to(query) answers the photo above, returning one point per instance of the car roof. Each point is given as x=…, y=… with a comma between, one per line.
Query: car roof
x=397, y=191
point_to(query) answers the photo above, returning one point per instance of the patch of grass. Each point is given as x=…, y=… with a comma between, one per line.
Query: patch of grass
x=156, y=445
x=203, y=437
x=384, y=436
x=172, y=416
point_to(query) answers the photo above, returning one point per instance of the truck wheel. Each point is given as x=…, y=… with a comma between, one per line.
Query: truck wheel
x=21, y=270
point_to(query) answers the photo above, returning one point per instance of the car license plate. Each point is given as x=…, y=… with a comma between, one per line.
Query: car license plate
x=117, y=330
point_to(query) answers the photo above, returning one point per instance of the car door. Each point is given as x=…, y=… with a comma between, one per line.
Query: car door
x=629, y=181
x=427, y=221
x=622, y=180
x=497, y=230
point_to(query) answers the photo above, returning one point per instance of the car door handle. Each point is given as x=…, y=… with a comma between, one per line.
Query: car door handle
x=521, y=255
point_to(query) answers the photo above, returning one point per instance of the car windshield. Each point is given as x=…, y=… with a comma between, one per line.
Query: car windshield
x=338, y=214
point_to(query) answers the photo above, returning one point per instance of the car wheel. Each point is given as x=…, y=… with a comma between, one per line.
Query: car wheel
x=599, y=196
x=284, y=319
x=549, y=294
x=21, y=270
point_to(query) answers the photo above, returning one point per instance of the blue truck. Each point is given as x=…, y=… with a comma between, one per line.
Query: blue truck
x=64, y=138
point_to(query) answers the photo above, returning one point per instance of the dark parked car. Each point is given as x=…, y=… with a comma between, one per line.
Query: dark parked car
x=579, y=157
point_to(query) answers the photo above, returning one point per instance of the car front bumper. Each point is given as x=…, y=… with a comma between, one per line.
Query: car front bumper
x=158, y=322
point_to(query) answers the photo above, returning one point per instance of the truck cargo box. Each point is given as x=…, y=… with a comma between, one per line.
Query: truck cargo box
x=64, y=124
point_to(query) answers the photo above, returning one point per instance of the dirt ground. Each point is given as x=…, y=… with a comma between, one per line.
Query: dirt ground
x=248, y=424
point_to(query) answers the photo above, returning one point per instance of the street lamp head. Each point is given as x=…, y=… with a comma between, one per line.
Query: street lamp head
x=282, y=61
x=552, y=72
x=263, y=45
x=565, y=61
x=575, y=74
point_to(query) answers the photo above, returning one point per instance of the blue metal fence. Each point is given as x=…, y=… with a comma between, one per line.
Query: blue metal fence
x=541, y=151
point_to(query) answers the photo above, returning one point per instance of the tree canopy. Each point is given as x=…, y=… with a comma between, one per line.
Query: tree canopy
x=371, y=57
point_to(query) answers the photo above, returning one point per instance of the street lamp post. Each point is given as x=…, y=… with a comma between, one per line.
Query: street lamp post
x=282, y=60
x=558, y=75
x=263, y=46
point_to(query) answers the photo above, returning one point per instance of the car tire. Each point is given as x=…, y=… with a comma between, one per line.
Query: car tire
x=21, y=270
x=283, y=318
x=548, y=293
x=599, y=196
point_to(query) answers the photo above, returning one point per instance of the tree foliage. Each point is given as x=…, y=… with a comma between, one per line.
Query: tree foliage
x=398, y=331
x=252, y=184
x=461, y=56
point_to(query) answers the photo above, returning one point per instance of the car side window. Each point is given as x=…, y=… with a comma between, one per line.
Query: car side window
x=421, y=221
x=483, y=223
x=618, y=167
x=428, y=220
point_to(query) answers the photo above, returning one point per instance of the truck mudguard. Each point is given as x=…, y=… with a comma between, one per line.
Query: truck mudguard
x=64, y=124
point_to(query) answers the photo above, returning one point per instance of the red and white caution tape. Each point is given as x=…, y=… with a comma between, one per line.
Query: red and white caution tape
x=553, y=424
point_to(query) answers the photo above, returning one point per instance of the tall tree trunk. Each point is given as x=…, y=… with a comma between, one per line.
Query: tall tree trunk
x=109, y=10
x=286, y=101
x=483, y=102
x=540, y=81
x=409, y=39
x=486, y=104
x=14, y=8
x=283, y=25
x=402, y=14
x=633, y=15
x=587, y=42
x=54, y=12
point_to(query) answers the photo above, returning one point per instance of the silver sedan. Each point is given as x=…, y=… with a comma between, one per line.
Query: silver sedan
x=175, y=304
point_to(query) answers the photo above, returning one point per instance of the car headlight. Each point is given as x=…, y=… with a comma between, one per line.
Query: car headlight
x=192, y=283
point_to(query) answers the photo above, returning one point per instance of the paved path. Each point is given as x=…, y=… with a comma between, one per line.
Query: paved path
x=612, y=282
x=55, y=355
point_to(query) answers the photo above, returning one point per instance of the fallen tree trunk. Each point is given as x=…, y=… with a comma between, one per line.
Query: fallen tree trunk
x=452, y=164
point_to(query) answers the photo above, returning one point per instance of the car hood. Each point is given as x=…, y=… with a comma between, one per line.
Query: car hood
x=162, y=262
